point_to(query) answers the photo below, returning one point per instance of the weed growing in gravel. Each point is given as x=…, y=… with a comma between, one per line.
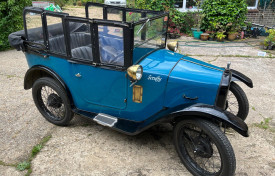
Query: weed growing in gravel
x=23, y=166
x=36, y=149
x=26, y=165
x=264, y=124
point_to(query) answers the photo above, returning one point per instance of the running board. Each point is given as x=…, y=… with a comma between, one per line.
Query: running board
x=105, y=120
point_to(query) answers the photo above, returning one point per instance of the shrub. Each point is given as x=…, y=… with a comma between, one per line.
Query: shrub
x=224, y=12
x=270, y=39
x=61, y=3
x=11, y=19
x=179, y=22
x=79, y=3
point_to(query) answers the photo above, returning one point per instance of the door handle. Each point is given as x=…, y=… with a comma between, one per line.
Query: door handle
x=78, y=75
x=189, y=98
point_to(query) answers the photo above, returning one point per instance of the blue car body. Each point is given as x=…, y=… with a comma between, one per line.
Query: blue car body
x=176, y=75
x=173, y=86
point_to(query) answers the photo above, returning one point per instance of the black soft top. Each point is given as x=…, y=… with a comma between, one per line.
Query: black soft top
x=16, y=39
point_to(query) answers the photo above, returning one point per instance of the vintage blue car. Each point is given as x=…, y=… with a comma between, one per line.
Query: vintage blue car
x=114, y=69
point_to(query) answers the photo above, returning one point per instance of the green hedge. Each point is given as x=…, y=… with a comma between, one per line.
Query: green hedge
x=179, y=22
x=11, y=19
x=224, y=12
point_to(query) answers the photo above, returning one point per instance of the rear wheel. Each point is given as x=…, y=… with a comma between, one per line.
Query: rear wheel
x=203, y=148
x=237, y=102
x=52, y=101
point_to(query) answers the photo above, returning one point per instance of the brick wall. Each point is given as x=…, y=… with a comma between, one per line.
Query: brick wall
x=255, y=16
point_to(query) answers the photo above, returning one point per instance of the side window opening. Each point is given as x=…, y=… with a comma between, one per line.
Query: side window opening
x=34, y=27
x=80, y=41
x=114, y=14
x=95, y=12
x=111, y=45
x=56, y=35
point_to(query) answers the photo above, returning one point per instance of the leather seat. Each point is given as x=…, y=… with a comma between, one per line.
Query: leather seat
x=111, y=50
x=110, y=55
x=84, y=52
x=57, y=44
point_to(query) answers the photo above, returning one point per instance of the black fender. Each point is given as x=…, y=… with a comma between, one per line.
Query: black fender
x=237, y=76
x=39, y=71
x=215, y=114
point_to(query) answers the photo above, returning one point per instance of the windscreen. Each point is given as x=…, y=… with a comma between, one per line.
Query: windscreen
x=149, y=36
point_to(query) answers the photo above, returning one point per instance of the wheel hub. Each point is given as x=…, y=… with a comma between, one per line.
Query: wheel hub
x=54, y=101
x=203, y=147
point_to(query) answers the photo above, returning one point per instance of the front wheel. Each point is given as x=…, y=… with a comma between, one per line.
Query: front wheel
x=52, y=101
x=203, y=148
x=237, y=102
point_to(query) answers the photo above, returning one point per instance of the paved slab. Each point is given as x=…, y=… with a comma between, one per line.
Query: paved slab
x=21, y=125
x=4, y=170
x=249, y=47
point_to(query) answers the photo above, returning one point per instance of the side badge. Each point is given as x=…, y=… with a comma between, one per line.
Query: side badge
x=156, y=79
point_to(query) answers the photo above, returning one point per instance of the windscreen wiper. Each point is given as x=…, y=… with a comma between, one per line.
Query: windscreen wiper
x=143, y=26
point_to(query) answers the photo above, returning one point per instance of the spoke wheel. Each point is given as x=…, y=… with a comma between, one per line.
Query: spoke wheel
x=203, y=148
x=52, y=101
x=237, y=102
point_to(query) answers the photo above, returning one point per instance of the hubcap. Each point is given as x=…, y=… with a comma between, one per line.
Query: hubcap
x=202, y=147
x=201, y=152
x=52, y=103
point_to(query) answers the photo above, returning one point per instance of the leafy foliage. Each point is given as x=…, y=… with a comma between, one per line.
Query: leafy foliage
x=11, y=19
x=179, y=22
x=224, y=12
x=270, y=39
x=61, y=3
x=23, y=166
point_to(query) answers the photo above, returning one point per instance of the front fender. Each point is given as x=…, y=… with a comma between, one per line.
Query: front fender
x=237, y=76
x=215, y=114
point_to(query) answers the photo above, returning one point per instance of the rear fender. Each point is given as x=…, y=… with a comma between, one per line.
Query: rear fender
x=237, y=76
x=214, y=114
x=37, y=72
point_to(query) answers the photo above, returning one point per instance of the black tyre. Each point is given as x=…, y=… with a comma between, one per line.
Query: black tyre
x=52, y=101
x=237, y=102
x=203, y=148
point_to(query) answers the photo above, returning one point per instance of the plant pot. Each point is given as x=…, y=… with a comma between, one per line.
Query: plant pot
x=220, y=39
x=265, y=47
x=232, y=36
x=204, y=36
x=270, y=47
x=197, y=34
x=74, y=3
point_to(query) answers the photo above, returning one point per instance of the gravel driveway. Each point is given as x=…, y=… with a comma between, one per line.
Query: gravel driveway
x=85, y=148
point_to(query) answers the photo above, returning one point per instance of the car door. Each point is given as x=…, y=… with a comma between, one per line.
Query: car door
x=104, y=85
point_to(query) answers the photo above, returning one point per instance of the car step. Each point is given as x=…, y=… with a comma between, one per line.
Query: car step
x=105, y=120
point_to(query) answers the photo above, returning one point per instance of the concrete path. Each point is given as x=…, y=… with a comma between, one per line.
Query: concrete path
x=85, y=148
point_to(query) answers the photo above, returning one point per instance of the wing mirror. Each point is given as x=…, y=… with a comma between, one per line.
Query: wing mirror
x=135, y=72
x=173, y=46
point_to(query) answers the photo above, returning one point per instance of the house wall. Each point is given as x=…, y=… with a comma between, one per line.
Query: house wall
x=257, y=16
